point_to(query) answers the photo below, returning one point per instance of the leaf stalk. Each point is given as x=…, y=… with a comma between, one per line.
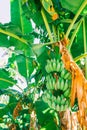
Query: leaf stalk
x=14, y=36
x=76, y=16
x=46, y=24
x=85, y=45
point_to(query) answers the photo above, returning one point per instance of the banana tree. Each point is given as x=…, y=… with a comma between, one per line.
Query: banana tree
x=45, y=82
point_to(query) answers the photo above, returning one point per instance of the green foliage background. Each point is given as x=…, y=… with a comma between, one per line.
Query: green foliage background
x=31, y=58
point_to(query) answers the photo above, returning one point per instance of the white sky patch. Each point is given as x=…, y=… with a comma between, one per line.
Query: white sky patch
x=4, y=99
x=33, y=24
x=4, y=11
x=5, y=53
x=36, y=41
x=21, y=81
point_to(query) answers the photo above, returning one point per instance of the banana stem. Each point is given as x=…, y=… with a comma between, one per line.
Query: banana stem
x=47, y=25
x=76, y=16
x=37, y=46
x=58, y=37
x=80, y=57
x=74, y=34
x=14, y=36
x=85, y=45
x=54, y=32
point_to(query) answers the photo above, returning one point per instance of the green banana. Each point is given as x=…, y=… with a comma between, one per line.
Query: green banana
x=63, y=73
x=67, y=93
x=48, y=83
x=47, y=77
x=58, y=107
x=69, y=82
x=49, y=103
x=53, y=105
x=47, y=69
x=66, y=85
x=61, y=66
x=67, y=103
x=48, y=61
x=65, y=107
x=54, y=65
x=59, y=100
x=48, y=96
x=60, y=80
x=62, y=84
x=51, y=62
x=52, y=82
x=57, y=84
x=62, y=108
x=63, y=100
x=50, y=67
x=53, y=98
x=58, y=66
x=67, y=75
x=44, y=98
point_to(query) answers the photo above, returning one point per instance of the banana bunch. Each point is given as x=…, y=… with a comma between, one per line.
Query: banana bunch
x=59, y=104
x=65, y=74
x=54, y=65
x=51, y=82
x=57, y=93
x=58, y=84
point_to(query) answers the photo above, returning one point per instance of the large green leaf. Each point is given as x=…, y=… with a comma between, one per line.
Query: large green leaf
x=3, y=38
x=73, y=5
x=8, y=32
x=10, y=27
x=23, y=47
x=5, y=80
x=86, y=28
x=78, y=44
x=10, y=36
x=4, y=42
x=45, y=117
x=25, y=65
x=38, y=51
x=18, y=18
x=40, y=107
x=32, y=10
x=44, y=54
x=9, y=107
x=50, y=126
